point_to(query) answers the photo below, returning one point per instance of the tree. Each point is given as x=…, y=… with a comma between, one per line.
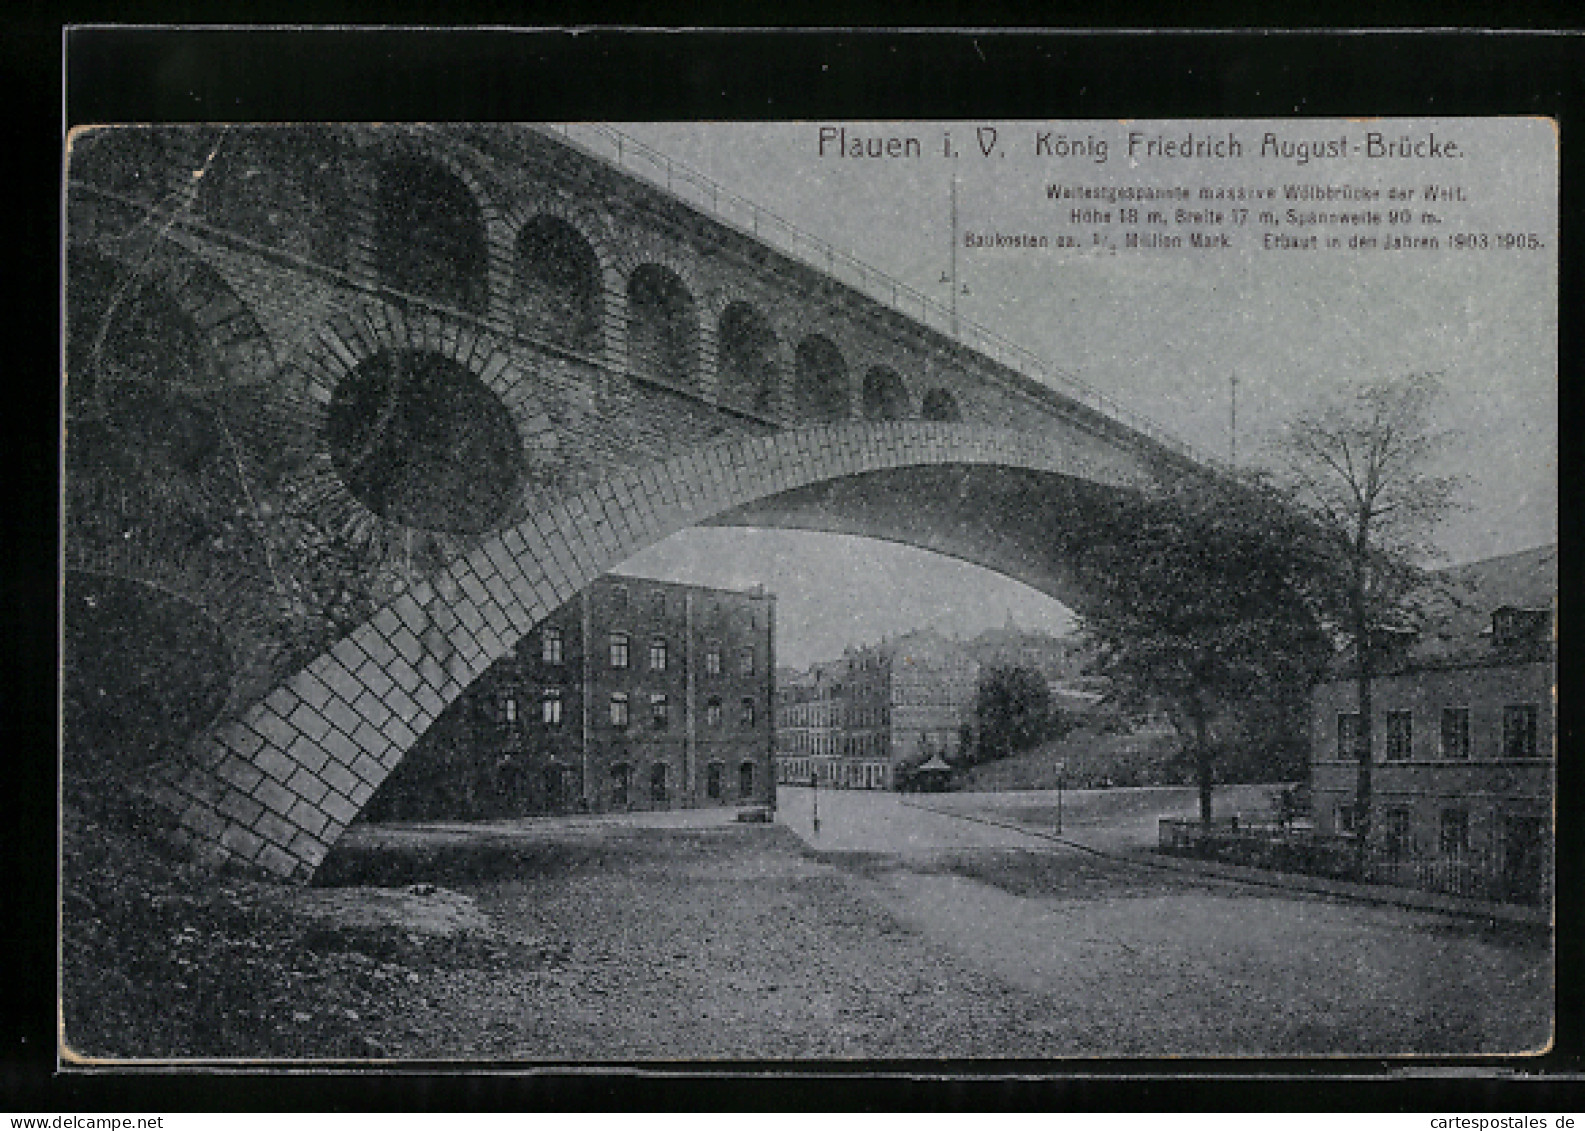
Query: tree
x=1196, y=604
x=1362, y=462
x=1014, y=709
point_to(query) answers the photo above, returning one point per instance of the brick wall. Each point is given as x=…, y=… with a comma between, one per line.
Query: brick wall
x=1487, y=785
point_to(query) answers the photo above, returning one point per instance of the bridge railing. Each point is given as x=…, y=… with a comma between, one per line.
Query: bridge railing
x=738, y=212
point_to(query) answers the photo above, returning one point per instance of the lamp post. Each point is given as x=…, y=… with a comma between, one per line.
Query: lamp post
x=814, y=786
x=1062, y=770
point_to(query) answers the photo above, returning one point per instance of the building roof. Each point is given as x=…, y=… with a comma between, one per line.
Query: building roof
x=1457, y=612
x=1525, y=580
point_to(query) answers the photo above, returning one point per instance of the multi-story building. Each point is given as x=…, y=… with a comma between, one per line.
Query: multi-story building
x=1059, y=660
x=1462, y=729
x=637, y=694
x=858, y=721
x=808, y=723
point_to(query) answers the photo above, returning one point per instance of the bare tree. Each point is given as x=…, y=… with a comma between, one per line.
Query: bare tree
x=1363, y=462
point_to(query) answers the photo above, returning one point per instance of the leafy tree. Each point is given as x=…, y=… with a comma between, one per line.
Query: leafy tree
x=1014, y=709
x=1197, y=606
x=1362, y=462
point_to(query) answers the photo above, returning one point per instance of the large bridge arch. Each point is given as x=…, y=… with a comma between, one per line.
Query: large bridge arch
x=277, y=786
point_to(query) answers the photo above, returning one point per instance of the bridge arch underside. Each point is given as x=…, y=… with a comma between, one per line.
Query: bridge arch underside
x=1023, y=524
x=276, y=784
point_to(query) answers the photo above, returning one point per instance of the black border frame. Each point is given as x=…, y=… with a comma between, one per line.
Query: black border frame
x=173, y=74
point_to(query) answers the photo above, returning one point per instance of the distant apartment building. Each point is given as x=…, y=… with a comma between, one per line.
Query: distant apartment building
x=637, y=694
x=809, y=709
x=1059, y=660
x=860, y=721
x=1462, y=729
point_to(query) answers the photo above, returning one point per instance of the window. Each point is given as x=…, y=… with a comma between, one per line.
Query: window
x=619, y=598
x=1518, y=731
x=712, y=780
x=550, y=643
x=746, y=661
x=712, y=660
x=745, y=780
x=1518, y=626
x=746, y=717
x=712, y=712
x=1455, y=832
x=621, y=775
x=657, y=783
x=659, y=716
x=1348, y=735
x=550, y=708
x=1455, y=732
x=619, y=708
x=1395, y=832
x=1400, y=735
x=509, y=708
x=659, y=602
x=556, y=786
x=657, y=655
x=619, y=649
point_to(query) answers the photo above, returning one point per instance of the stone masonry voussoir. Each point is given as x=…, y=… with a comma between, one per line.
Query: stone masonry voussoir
x=275, y=829
x=273, y=795
x=239, y=840
x=277, y=860
x=339, y=808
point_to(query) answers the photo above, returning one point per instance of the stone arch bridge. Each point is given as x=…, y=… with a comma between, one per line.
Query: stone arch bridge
x=351, y=409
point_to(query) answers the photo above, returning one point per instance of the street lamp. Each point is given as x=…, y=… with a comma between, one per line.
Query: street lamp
x=814, y=784
x=1062, y=769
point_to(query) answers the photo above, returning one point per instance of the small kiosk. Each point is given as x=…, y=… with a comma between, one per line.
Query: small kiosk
x=932, y=776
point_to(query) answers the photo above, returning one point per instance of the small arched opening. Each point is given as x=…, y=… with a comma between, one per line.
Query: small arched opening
x=558, y=284
x=430, y=234
x=662, y=331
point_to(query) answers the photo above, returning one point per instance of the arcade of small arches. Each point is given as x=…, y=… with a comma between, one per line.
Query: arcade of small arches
x=424, y=219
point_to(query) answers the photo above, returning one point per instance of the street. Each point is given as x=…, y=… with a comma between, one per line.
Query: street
x=900, y=932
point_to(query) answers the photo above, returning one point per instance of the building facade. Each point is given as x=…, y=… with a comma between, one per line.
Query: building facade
x=1059, y=660
x=1462, y=735
x=637, y=694
x=862, y=721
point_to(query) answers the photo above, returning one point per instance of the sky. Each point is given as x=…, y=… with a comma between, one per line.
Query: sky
x=1166, y=331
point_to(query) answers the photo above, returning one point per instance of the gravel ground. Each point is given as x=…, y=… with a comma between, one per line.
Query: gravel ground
x=740, y=943
x=718, y=944
x=607, y=942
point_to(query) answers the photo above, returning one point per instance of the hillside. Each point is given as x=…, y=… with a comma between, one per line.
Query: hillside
x=1090, y=759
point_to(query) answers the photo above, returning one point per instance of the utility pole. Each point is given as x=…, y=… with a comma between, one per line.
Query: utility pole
x=950, y=276
x=1232, y=421
x=954, y=253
